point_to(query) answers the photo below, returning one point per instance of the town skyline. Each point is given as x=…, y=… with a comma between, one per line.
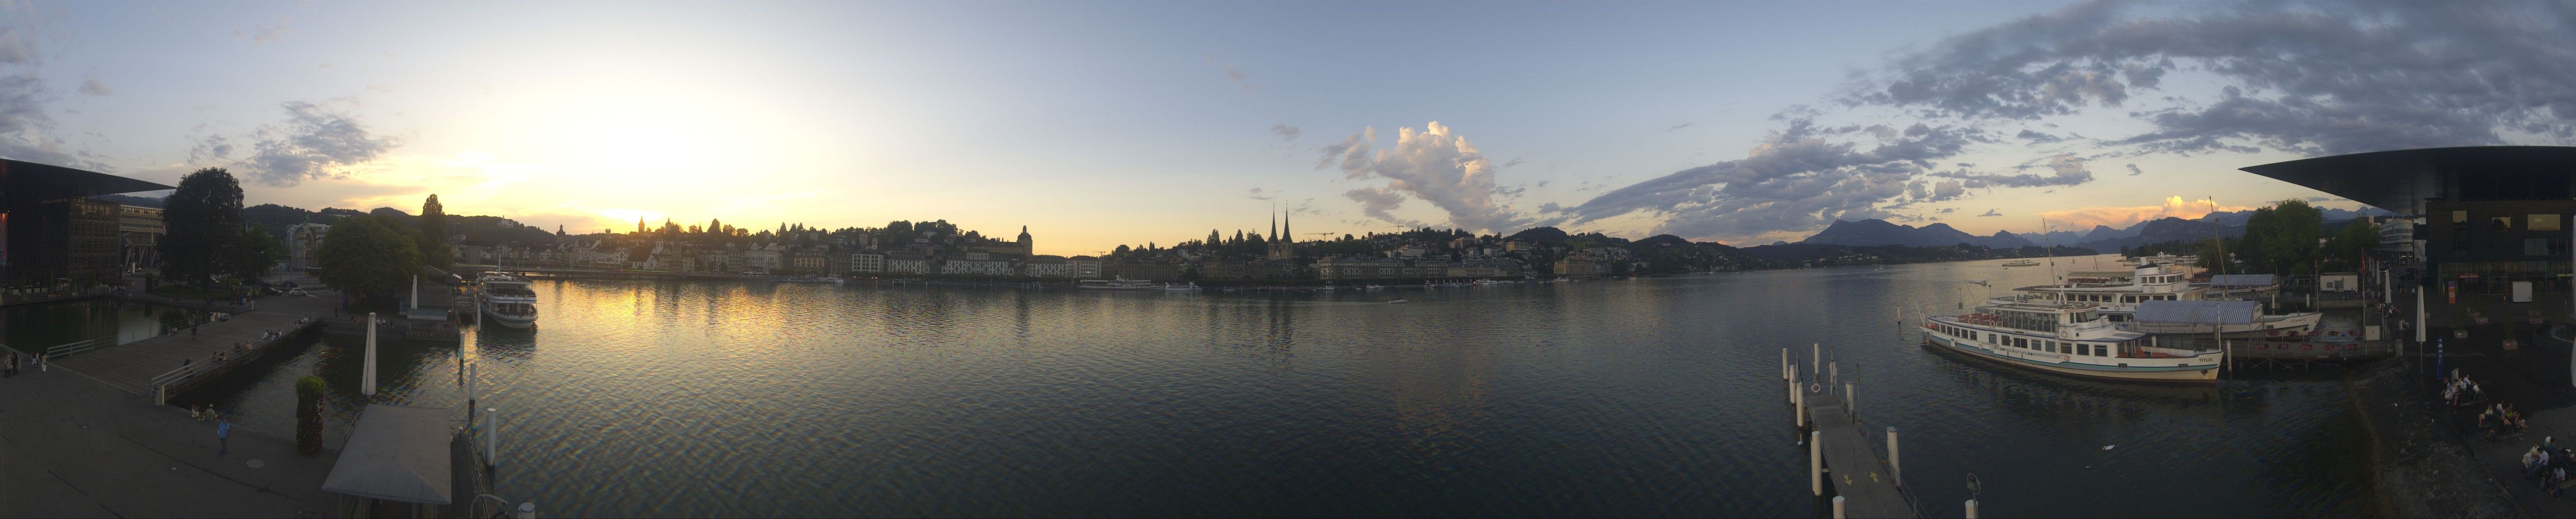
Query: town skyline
x=1192, y=118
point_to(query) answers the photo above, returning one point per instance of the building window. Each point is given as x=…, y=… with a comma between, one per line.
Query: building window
x=2459, y=217
x=2541, y=222
x=2500, y=224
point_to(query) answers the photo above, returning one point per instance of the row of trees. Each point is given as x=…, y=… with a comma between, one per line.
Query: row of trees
x=2289, y=237
x=371, y=256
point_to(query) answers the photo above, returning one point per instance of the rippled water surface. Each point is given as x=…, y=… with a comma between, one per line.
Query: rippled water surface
x=1652, y=397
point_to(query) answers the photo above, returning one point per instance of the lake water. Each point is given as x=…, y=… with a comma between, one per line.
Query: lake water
x=1652, y=397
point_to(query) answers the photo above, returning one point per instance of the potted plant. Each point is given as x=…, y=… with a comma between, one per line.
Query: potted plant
x=308, y=414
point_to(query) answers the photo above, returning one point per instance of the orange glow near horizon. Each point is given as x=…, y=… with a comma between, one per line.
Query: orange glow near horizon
x=2122, y=217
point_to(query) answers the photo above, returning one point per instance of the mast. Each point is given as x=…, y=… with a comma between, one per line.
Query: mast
x=2047, y=249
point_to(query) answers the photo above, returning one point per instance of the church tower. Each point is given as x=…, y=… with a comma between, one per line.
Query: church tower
x=1283, y=241
x=1027, y=248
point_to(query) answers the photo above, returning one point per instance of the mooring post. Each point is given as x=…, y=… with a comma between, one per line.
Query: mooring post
x=1895, y=469
x=492, y=436
x=1972, y=509
x=1816, y=365
x=1851, y=404
x=1833, y=374
x=1816, y=463
x=1784, y=364
x=1798, y=399
x=1838, y=507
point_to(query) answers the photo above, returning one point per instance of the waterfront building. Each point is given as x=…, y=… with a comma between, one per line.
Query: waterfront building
x=1046, y=266
x=139, y=230
x=834, y=262
x=1573, y=266
x=1027, y=247
x=1360, y=267
x=302, y=240
x=1142, y=271
x=2397, y=235
x=907, y=262
x=809, y=259
x=2493, y=217
x=52, y=233
x=867, y=263
x=763, y=258
x=1084, y=267
x=990, y=267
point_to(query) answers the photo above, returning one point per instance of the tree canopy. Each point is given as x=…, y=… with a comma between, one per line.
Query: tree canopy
x=203, y=226
x=364, y=255
x=2283, y=237
x=433, y=233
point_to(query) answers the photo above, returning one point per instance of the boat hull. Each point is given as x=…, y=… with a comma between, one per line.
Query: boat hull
x=2207, y=374
x=2271, y=325
x=509, y=321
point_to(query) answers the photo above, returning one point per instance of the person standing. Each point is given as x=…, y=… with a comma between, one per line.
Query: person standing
x=223, y=436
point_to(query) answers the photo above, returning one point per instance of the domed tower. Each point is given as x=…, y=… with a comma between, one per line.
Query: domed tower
x=1027, y=248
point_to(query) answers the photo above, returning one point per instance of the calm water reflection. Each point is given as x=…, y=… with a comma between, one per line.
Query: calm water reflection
x=1649, y=397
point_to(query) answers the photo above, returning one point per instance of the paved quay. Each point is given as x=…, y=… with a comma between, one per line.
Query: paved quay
x=131, y=367
x=71, y=446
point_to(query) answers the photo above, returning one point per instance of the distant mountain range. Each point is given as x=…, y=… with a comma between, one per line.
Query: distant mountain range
x=1879, y=232
x=1873, y=232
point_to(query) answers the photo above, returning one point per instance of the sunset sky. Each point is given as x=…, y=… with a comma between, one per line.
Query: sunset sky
x=1097, y=124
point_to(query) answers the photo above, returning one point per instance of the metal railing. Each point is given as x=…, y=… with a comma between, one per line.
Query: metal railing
x=76, y=347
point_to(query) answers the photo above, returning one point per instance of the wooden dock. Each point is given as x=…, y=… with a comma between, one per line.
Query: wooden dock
x=138, y=366
x=1857, y=473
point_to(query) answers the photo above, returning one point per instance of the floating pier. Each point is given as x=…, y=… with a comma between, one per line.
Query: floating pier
x=1840, y=459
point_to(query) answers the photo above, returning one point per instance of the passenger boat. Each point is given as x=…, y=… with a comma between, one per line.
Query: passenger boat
x=2021, y=263
x=1398, y=301
x=2118, y=297
x=2066, y=338
x=1116, y=284
x=507, y=299
x=1184, y=287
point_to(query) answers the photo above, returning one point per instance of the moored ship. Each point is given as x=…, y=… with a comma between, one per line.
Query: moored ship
x=2066, y=338
x=507, y=299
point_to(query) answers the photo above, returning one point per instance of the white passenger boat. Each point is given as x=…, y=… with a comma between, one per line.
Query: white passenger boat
x=2021, y=263
x=2065, y=338
x=1184, y=287
x=507, y=300
x=2118, y=298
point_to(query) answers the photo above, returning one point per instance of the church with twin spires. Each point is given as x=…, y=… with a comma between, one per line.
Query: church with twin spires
x=1283, y=241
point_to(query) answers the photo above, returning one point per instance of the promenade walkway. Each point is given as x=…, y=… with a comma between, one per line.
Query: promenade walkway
x=72, y=447
x=132, y=367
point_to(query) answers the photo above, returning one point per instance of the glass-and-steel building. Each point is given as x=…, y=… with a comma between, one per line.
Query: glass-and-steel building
x=2485, y=216
x=53, y=235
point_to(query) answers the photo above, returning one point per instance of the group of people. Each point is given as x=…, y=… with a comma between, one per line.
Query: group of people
x=2462, y=391
x=2548, y=463
x=2501, y=420
x=18, y=362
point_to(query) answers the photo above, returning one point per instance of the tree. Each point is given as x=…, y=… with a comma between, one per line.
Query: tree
x=257, y=251
x=2283, y=237
x=204, y=222
x=433, y=234
x=365, y=256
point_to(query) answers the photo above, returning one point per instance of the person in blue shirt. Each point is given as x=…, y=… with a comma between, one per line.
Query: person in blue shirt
x=223, y=436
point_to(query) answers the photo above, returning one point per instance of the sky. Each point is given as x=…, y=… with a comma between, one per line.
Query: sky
x=1103, y=123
